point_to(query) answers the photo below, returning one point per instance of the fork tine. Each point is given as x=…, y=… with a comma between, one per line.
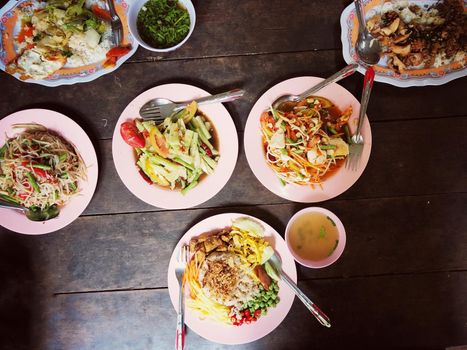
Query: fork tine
x=155, y=112
x=151, y=108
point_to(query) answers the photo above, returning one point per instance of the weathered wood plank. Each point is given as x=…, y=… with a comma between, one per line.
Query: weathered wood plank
x=97, y=105
x=225, y=28
x=413, y=311
x=128, y=251
x=416, y=167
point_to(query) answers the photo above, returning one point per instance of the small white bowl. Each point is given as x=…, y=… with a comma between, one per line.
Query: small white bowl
x=136, y=5
x=340, y=245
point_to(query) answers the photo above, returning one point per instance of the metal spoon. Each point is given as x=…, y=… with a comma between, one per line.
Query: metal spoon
x=34, y=215
x=287, y=102
x=275, y=262
x=367, y=47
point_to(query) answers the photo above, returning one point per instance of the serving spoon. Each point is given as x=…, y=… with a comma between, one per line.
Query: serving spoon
x=286, y=103
x=275, y=262
x=33, y=215
x=367, y=46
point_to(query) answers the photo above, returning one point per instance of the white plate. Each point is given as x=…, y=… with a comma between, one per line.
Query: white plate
x=124, y=157
x=415, y=77
x=75, y=135
x=229, y=334
x=337, y=183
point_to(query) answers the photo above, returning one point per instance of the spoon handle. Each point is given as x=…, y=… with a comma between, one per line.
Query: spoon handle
x=343, y=73
x=228, y=96
x=360, y=15
x=316, y=311
x=9, y=205
x=367, y=85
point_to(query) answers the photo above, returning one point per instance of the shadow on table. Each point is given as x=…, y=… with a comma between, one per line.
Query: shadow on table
x=18, y=297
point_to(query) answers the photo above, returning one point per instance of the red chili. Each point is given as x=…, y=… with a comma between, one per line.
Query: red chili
x=206, y=149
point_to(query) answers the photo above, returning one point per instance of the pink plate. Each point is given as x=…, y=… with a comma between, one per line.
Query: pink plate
x=226, y=334
x=336, y=184
x=70, y=131
x=124, y=157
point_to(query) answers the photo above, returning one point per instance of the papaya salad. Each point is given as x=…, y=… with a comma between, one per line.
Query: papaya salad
x=39, y=169
x=306, y=143
x=228, y=274
x=177, y=153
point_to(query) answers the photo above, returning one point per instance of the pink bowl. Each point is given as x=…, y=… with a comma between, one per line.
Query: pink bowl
x=340, y=246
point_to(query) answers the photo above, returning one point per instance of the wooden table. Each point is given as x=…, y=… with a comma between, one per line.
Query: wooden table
x=101, y=283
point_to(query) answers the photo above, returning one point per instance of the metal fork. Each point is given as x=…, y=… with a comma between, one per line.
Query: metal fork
x=179, y=272
x=356, y=146
x=116, y=24
x=158, y=109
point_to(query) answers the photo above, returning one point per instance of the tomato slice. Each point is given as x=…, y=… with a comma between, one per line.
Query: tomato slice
x=131, y=135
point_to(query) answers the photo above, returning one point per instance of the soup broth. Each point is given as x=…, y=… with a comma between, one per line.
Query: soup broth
x=313, y=236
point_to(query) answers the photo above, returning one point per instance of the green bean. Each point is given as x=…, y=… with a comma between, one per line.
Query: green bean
x=33, y=182
x=347, y=133
x=332, y=130
x=41, y=166
x=325, y=147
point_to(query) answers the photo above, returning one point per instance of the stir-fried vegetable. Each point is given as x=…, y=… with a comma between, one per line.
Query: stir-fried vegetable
x=306, y=143
x=163, y=23
x=39, y=169
x=174, y=154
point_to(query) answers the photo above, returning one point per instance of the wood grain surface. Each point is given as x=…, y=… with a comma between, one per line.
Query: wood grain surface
x=101, y=282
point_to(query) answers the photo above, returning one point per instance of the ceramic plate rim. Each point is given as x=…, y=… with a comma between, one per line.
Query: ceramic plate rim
x=264, y=324
x=58, y=122
x=208, y=187
x=255, y=154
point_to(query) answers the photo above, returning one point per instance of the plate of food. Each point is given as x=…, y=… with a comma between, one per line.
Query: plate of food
x=300, y=154
x=181, y=162
x=421, y=39
x=61, y=42
x=231, y=294
x=47, y=163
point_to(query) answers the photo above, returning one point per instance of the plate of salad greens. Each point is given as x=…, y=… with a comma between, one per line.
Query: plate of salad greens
x=181, y=162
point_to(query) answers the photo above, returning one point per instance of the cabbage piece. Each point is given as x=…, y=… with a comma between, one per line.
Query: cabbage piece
x=342, y=148
x=278, y=139
x=250, y=226
x=267, y=253
x=92, y=37
x=271, y=271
